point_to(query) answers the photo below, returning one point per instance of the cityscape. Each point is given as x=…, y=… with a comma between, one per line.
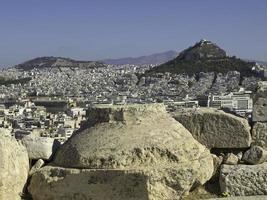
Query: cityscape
x=109, y=120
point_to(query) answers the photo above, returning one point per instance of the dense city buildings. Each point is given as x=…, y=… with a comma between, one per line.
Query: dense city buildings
x=53, y=101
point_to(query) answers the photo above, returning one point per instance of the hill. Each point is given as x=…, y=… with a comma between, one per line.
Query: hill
x=49, y=62
x=204, y=56
x=153, y=59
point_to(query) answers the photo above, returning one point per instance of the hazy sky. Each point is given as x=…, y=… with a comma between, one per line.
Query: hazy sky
x=91, y=30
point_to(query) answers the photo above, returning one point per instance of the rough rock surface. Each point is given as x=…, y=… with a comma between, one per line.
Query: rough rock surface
x=230, y=159
x=261, y=197
x=5, y=132
x=40, y=147
x=259, y=134
x=143, y=139
x=260, y=110
x=14, y=167
x=255, y=155
x=217, y=161
x=39, y=163
x=215, y=128
x=244, y=180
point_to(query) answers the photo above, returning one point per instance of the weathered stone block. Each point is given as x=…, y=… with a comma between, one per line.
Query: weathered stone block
x=215, y=128
x=40, y=147
x=244, y=180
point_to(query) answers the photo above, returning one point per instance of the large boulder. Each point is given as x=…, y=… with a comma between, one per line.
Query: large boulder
x=140, y=141
x=14, y=167
x=68, y=183
x=259, y=134
x=244, y=180
x=215, y=128
x=40, y=147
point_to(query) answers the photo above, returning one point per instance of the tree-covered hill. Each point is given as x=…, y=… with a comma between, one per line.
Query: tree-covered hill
x=204, y=56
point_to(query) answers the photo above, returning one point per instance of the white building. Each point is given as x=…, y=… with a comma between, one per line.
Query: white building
x=238, y=102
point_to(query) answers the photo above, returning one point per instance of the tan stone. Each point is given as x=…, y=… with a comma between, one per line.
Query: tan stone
x=244, y=180
x=14, y=167
x=139, y=138
x=215, y=128
x=40, y=147
x=230, y=159
x=55, y=183
x=39, y=163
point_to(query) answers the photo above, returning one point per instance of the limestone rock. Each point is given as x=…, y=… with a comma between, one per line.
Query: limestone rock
x=40, y=147
x=215, y=128
x=217, y=161
x=230, y=159
x=244, y=180
x=14, y=167
x=143, y=139
x=5, y=131
x=255, y=155
x=259, y=134
x=131, y=184
x=39, y=163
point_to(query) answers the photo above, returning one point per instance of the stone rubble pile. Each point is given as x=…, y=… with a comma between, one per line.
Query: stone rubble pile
x=131, y=152
x=139, y=152
x=241, y=151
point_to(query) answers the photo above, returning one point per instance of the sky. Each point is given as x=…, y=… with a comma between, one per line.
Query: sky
x=99, y=29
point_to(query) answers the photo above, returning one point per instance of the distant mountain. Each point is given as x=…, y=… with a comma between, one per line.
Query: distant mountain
x=153, y=59
x=205, y=56
x=49, y=62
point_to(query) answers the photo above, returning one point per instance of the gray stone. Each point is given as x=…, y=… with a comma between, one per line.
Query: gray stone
x=143, y=139
x=260, y=110
x=244, y=180
x=259, y=134
x=215, y=128
x=217, y=161
x=14, y=168
x=255, y=155
x=40, y=147
x=230, y=159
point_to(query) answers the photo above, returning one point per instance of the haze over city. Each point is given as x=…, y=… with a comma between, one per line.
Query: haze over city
x=93, y=30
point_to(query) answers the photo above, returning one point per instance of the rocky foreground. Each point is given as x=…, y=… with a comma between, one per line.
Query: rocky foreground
x=140, y=152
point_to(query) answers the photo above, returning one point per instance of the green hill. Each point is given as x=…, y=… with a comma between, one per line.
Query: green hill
x=204, y=56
